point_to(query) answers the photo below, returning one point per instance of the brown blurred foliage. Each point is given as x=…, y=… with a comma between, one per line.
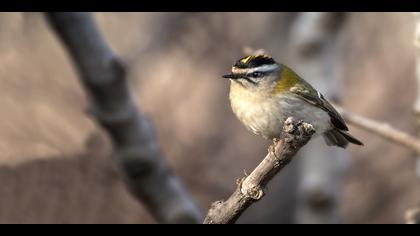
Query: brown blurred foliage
x=55, y=165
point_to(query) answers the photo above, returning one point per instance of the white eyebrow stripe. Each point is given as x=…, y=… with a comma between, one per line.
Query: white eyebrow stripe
x=263, y=68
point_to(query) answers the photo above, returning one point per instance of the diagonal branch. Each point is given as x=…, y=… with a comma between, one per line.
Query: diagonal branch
x=381, y=129
x=136, y=150
x=250, y=189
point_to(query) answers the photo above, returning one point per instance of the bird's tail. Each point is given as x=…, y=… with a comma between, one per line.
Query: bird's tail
x=336, y=137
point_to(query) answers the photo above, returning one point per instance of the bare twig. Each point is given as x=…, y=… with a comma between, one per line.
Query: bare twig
x=250, y=189
x=136, y=150
x=382, y=129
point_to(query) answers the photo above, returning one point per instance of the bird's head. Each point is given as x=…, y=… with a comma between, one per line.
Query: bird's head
x=255, y=73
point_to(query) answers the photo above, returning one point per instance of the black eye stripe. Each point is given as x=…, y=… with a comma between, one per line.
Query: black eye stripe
x=250, y=80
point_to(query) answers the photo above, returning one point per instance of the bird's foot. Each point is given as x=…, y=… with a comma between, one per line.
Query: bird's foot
x=299, y=123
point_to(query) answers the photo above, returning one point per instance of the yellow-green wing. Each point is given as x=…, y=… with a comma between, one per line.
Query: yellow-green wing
x=305, y=91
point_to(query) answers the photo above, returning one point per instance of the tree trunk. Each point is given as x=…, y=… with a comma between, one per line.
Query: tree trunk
x=322, y=168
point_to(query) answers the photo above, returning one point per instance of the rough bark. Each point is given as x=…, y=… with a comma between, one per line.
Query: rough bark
x=251, y=188
x=313, y=51
x=136, y=149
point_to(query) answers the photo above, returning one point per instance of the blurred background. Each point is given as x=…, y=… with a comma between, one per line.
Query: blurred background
x=55, y=161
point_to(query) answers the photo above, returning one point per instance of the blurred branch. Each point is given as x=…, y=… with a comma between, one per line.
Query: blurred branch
x=136, y=150
x=381, y=129
x=250, y=189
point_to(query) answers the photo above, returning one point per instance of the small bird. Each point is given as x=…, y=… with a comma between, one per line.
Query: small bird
x=264, y=93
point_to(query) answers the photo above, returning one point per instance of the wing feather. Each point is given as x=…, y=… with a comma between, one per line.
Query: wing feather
x=310, y=95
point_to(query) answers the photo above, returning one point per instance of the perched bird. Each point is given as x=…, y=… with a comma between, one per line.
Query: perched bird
x=264, y=93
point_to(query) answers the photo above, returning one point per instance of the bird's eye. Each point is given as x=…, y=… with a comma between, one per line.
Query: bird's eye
x=256, y=74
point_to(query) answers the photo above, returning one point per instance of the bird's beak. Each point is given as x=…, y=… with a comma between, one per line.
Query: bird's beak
x=231, y=76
